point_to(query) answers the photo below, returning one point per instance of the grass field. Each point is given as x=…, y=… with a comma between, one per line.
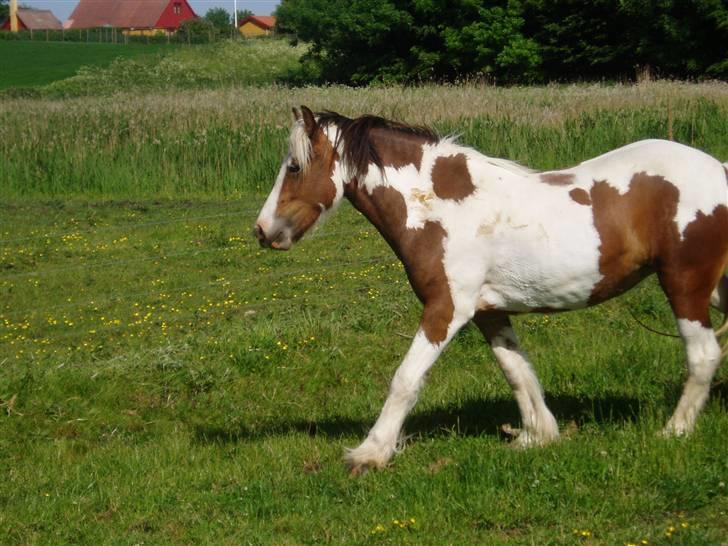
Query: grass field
x=165, y=381
x=32, y=64
x=59, y=70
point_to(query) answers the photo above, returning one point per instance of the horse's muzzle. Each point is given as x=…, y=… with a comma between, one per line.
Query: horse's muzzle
x=280, y=241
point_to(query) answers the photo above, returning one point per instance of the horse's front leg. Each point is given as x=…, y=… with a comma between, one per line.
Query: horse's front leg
x=381, y=443
x=539, y=425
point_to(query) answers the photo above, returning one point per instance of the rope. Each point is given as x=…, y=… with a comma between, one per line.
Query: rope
x=649, y=328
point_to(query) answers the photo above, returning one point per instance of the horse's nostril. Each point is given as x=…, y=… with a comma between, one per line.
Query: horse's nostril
x=259, y=234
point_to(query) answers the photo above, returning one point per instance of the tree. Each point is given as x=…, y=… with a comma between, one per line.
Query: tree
x=361, y=41
x=4, y=10
x=243, y=13
x=196, y=31
x=507, y=41
x=579, y=40
x=612, y=38
x=219, y=17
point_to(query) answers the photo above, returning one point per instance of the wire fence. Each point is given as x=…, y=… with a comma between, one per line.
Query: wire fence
x=186, y=34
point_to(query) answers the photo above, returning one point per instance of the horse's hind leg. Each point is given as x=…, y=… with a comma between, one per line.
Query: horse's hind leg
x=539, y=425
x=690, y=303
x=719, y=296
x=719, y=300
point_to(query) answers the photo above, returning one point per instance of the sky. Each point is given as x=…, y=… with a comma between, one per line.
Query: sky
x=63, y=8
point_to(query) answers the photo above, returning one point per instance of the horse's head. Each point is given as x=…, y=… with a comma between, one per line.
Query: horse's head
x=306, y=188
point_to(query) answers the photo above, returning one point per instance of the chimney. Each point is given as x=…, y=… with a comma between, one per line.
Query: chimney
x=13, y=15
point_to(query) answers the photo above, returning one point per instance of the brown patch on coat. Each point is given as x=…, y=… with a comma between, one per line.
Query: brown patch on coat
x=632, y=229
x=451, y=177
x=639, y=235
x=580, y=196
x=397, y=149
x=557, y=179
x=302, y=194
x=696, y=265
x=496, y=325
x=420, y=250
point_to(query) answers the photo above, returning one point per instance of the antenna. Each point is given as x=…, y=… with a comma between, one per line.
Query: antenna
x=13, y=15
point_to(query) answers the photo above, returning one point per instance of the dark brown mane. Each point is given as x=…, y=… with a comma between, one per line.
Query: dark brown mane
x=358, y=149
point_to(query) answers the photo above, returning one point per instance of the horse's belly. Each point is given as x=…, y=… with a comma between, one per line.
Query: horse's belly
x=557, y=272
x=521, y=294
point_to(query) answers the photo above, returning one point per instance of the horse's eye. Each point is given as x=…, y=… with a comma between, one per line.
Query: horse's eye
x=294, y=168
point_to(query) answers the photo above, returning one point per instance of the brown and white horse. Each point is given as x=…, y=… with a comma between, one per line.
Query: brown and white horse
x=484, y=238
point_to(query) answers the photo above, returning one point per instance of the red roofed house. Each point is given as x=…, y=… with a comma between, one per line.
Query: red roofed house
x=35, y=19
x=257, y=25
x=132, y=16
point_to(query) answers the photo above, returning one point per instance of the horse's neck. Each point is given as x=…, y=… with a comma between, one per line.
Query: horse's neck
x=383, y=206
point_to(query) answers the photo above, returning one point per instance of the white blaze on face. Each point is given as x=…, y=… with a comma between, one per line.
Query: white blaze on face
x=267, y=216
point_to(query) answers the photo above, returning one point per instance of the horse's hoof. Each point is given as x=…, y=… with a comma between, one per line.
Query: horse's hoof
x=358, y=470
x=365, y=458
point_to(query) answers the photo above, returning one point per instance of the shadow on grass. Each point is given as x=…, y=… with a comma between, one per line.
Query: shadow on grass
x=472, y=418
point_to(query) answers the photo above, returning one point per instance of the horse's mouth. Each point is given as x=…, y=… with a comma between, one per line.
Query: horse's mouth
x=280, y=241
x=281, y=245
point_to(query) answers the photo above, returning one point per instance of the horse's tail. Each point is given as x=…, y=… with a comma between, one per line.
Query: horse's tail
x=720, y=294
x=719, y=298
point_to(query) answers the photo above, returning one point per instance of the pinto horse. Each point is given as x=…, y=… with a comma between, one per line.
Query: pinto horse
x=483, y=238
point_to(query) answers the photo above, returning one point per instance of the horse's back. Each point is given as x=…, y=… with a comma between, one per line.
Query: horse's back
x=677, y=163
x=663, y=174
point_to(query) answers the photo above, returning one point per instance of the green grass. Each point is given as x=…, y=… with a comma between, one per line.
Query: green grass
x=32, y=64
x=66, y=70
x=165, y=381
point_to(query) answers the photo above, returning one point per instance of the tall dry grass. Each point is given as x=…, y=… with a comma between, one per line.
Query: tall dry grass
x=229, y=142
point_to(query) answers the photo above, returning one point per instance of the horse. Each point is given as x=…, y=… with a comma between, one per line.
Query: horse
x=483, y=238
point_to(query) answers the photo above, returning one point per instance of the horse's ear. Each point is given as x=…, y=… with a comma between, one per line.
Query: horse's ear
x=296, y=114
x=309, y=121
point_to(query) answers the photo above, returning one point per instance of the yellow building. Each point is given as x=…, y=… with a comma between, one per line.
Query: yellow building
x=257, y=25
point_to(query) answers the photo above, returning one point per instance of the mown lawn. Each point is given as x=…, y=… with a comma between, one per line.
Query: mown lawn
x=30, y=64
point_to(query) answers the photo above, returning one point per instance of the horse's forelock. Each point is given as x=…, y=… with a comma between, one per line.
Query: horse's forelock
x=300, y=145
